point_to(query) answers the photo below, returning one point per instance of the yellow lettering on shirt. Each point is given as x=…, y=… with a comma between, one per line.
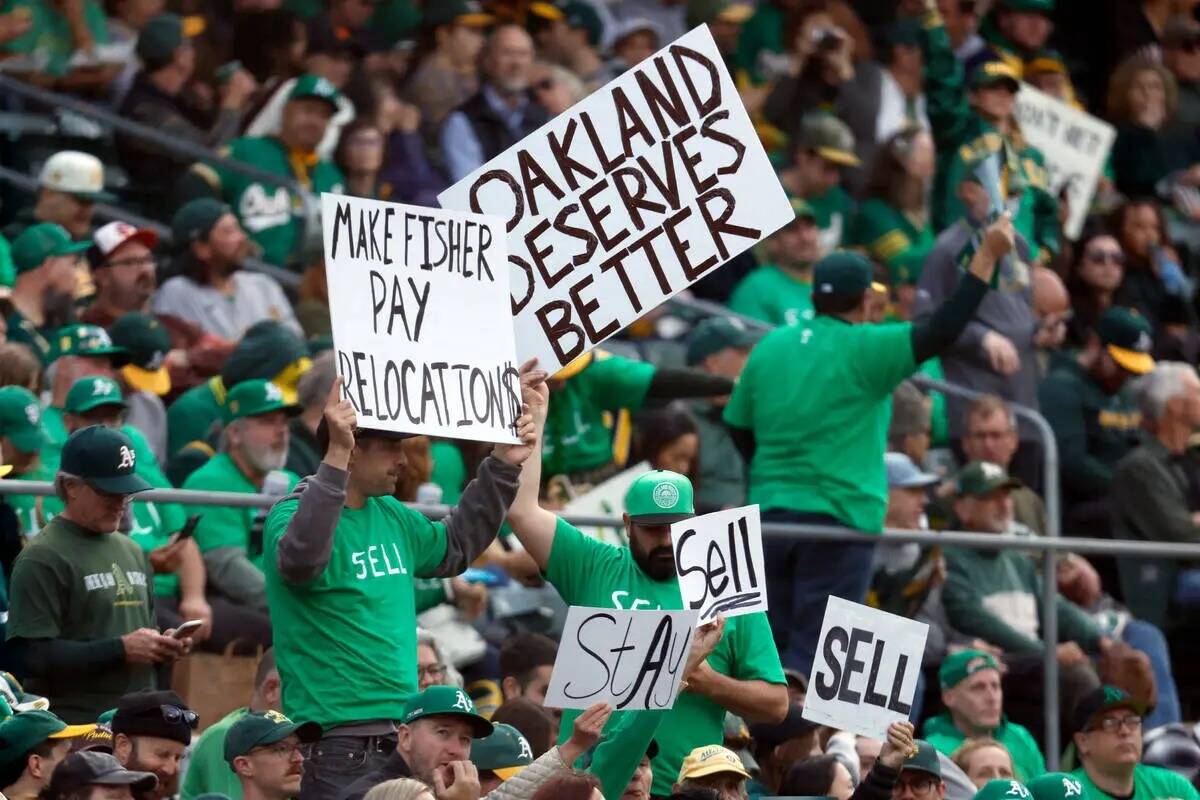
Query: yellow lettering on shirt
x=1121, y=420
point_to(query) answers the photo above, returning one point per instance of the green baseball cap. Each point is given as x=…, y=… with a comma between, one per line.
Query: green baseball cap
x=259, y=730
x=582, y=15
x=926, y=760
x=194, y=220
x=438, y=701
x=828, y=137
x=317, y=88
x=1105, y=698
x=844, y=273
x=21, y=419
x=981, y=478
x=957, y=667
x=146, y=342
x=1038, y=6
x=159, y=39
x=22, y=732
x=802, y=210
x=41, y=241
x=90, y=341
x=1003, y=789
x=995, y=72
x=457, y=12
x=93, y=392
x=706, y=12
x=1056, y=786
x=254, y=398
x=714, y=334
x=104, y=458
x=660, y=497
x=1126, y=336
x=504, y=752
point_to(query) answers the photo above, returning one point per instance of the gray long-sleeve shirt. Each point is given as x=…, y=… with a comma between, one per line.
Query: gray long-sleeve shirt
x=1007, y=310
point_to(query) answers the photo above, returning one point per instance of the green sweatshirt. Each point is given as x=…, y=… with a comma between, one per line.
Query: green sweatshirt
x=941, y=732
x=997, y=597
x=963, y=137
x=1094, y=430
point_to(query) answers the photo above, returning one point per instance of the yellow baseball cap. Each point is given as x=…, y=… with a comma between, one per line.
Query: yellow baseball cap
x=709, y=760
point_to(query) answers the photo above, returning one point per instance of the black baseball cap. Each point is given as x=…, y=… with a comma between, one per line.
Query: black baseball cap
x=1105, y=698
x=104, y=458
x=91, y=768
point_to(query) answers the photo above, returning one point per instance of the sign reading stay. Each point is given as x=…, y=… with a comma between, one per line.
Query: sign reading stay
x=719, y=558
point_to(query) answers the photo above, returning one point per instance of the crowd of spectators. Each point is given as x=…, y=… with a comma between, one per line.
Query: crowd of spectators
x=164, y=323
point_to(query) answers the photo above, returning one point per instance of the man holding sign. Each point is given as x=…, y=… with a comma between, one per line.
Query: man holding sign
x=742, y=673
x=340, y=557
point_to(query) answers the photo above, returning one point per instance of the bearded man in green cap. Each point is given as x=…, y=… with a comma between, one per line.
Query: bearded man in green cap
x=732, y=667
x=45, y=260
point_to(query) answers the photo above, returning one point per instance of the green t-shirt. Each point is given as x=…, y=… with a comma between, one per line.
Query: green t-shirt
x=1149, y=783
x=833, y=212
x=272, y=215
x=49, y=34
x=356, y=619
x=1028, y=762
x=449, y=470
x=8, y=271
x=818, y=399
x=208, y=772
x=577, y=437
x=191, y=416
x=223, y=526
x=73, y=584
x=587, y=572
x=772, y=295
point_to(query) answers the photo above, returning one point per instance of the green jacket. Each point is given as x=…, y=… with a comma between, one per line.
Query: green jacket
x=1093, y=429
x=963, y=137
x=940, y=732
x=193, y=414
x=997, y=597
x=889, y=236
x=272, y=215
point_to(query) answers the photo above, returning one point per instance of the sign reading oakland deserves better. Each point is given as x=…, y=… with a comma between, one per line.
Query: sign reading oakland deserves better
x=418, y=298
x=627, y=198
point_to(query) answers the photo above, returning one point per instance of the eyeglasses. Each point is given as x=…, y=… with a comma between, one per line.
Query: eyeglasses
x=918, y=786
x=280, y=749
x=1111, y=256
x=144, y=261
x=173, y=715
x=434, y=672
x=1113, y=724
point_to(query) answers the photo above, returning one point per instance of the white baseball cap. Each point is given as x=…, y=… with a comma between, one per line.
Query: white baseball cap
x=108, y=238
x=75, y=173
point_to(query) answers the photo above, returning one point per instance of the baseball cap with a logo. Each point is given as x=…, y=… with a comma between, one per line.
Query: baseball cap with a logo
x=505, y=752
x=146, y=342
x=259, y=730
x=1125, y=334
x=1056, y=786
x=77, y=174
x=22, y=732
x=108, y=239
x=981, y=478
x=254, y=398
x=1003, y=789
x=710, y=760
x=21, y=419
x=104, y=458
x=317, y=88
x=88, y=341
x=437, y=701
x=844, y=273
x=39, y=242
x=957, y=667
x=660, y=497
x=93, y=392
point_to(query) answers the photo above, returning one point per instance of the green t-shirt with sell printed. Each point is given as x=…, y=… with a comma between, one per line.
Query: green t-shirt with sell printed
x=224, y=526
x=77, y=585
x=1149, y=783
x=818, y=399
x=356, y=620
x=587, y=572
x=773, y=295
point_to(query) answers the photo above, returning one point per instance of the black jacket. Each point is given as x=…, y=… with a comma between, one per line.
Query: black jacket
x=493, y=135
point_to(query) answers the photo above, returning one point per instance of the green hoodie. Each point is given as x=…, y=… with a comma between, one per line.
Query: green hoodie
x=941, y=732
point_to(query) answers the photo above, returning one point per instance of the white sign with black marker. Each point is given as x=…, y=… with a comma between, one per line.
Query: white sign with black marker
x=630, y=196
x=632, y=660
x=719, y=558
x=865, y=672
x=418, y=298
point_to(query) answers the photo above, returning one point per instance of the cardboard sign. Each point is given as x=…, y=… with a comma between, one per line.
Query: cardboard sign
x=418, y=298
x=1075, y=145
x=865, y=673
x=633, y=194
x=632, y=660
x=719, y=558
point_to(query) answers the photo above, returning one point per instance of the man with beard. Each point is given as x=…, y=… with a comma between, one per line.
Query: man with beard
x=501, y=113
x=45, y=260
x=781, y=292
x=254, y=445
x=264, y=751
x=69, y=186
x=211, y=291
x=151, y=732
x=736, y=670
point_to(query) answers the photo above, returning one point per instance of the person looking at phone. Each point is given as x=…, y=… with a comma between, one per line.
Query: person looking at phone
x=340, y=555
x=81, y=613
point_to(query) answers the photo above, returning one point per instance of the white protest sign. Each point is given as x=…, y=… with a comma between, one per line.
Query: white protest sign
x=627, y=198
x=1075, y=145
x=865, y=673
x=418, y=298
x=631, y=660
x=719, y=558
